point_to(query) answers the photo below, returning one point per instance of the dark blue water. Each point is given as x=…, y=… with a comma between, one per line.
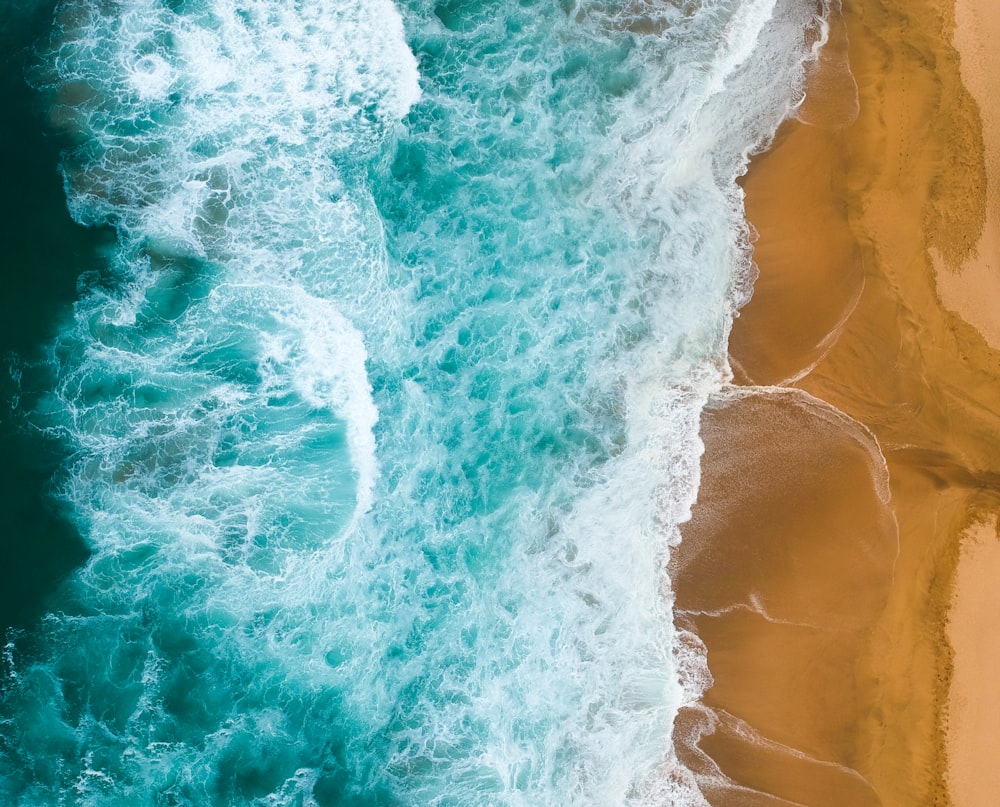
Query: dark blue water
x=44, y=252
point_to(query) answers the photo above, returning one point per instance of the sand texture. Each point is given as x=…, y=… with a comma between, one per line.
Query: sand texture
x=971, y=287
x=861, y=439
x=974, y=702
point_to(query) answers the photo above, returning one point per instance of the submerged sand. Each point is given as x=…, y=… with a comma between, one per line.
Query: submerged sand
x=861, y=439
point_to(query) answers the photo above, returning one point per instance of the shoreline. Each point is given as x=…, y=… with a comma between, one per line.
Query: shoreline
x=861, y=438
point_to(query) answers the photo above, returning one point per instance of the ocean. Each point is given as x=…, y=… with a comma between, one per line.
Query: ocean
x=353, y=381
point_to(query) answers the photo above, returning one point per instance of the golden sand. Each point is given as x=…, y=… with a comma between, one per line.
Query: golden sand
x=862, y=440
x=972, y=288
x=974, y=701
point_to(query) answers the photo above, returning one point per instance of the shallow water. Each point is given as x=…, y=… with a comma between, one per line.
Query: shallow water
x=379, y=419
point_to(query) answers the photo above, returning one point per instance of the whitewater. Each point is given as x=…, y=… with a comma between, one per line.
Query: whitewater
x=381, y=416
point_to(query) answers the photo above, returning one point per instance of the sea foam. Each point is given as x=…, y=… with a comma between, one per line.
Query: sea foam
x=384, y=417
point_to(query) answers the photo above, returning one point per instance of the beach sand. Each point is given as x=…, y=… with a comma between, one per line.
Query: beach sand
x=860, y=441
x=974, y=702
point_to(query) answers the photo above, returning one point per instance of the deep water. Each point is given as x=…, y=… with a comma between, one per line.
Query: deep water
x=379, y=411
x=43, y=253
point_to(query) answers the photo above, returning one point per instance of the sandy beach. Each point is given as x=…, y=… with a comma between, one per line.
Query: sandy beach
x=833, y=567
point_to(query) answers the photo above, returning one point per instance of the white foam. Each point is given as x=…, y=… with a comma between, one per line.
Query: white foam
x=152, y=77
x=551, y=674
x=328, y=359
x=259, y=89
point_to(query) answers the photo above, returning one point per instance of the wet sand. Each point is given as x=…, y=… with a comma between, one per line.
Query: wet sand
x=859, y=442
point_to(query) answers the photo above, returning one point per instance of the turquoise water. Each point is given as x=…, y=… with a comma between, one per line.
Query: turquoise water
x=380, y=416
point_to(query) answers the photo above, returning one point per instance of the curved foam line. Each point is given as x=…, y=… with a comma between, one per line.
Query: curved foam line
x=827, y=343
x=881, y=481
x=755, y=607
x=734, y=392
x=745, y=730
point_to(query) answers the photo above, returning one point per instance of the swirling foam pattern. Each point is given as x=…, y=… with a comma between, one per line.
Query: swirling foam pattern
x=384, y=416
